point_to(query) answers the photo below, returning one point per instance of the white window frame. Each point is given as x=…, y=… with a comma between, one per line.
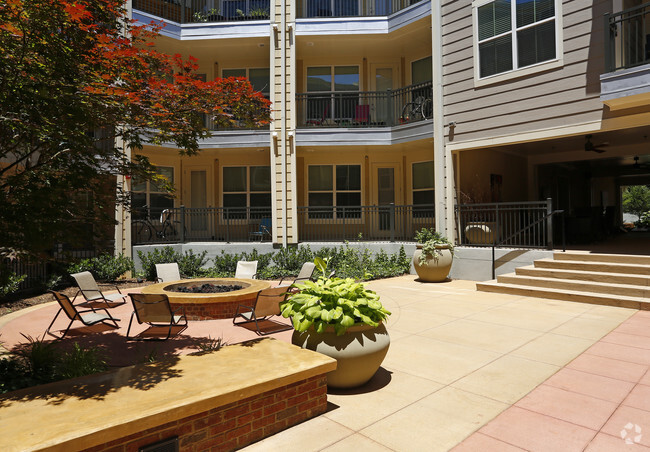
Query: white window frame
x=334, y=191
x=413, y=189
x=148, y=191
x=516, y=72
x=247, y=70
x=247, y=192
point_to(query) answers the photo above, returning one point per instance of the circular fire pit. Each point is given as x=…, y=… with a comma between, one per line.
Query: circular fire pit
x=212, y=305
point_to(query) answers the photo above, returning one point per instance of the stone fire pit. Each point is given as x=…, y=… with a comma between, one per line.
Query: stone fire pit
x=209, y=306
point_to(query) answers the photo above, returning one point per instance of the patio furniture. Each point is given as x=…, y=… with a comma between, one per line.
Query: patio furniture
x=168, y=272
x=246, y=269
x=155, y=310
x=318, y=122
x=306, y=272
x=88, y=317
x=267, y=304
x=90, y=290
x=263, y=231
x=362, y=114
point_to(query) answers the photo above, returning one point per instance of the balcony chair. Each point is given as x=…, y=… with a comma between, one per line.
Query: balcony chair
x=155, y=311
x=306, y=273
x=246, y=269
x=88, y=317
x=90, y=290
x=362, y=115
x=319, y=122
x=168, y=272
x=267, y=304
x=263, y=231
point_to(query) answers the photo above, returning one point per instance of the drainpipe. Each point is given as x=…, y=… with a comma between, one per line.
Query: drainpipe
x=283, y=120
x=439, y=157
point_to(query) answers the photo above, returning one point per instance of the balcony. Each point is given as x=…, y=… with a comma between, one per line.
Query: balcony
x=202, y=11
x=365, y=109
x=627, y=58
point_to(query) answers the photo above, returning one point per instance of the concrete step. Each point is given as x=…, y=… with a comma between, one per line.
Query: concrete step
x=597, y=266
x=603, y=277
x=564, y=294
x=577, y=285
x=601, y=257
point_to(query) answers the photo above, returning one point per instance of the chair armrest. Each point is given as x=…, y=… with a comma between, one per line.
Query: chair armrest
x=111, y=285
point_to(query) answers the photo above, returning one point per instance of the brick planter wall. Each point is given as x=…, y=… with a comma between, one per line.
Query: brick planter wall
x=238, y=424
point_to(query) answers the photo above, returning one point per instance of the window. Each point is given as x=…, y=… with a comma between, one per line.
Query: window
x=514, y=34
x=149, y=194
x=247, y=187
x=423, y=189
x=329, y=79
x=259, y=78
x=334, y=185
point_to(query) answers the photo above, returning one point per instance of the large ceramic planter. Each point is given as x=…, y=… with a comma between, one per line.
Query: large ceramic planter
x=434, y=269
x=481, y=232
x=359, y=352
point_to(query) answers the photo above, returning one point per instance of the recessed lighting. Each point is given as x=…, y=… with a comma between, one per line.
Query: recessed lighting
x=310, y=44
x=261, y=44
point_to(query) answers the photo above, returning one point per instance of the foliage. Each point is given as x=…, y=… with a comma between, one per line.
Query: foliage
x=40, y=362
x=636, y=199
x=644, y=220
x=334, y=301
x=9, y=281
x=189, y=264
x=431, y=241
x=105, y=267
x=200, y=16
x=211, y=345
x=79, y=85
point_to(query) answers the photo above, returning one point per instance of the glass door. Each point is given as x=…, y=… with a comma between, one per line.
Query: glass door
x=383, y=81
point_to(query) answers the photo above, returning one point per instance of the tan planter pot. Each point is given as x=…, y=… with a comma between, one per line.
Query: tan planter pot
x=481, y=232
x=433, y=270
x=359, y=352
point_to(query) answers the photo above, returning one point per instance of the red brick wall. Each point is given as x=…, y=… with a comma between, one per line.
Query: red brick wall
x=238, y=424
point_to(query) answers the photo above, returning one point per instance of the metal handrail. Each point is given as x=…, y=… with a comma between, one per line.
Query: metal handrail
x=546, y=217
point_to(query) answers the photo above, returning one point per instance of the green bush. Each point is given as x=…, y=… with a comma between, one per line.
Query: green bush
x=189, y=264
x=9, y=281
x=105, y=267
x=39, y=362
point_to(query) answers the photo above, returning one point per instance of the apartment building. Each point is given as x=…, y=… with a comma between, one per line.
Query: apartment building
x=388, y=113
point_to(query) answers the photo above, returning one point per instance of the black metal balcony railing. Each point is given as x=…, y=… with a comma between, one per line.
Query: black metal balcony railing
x=627, y=38
x=350, y=8
x=196, y=11
x=237, y=224
x=365, y=108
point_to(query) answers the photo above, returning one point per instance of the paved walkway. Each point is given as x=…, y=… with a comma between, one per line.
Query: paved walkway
x=466, y=370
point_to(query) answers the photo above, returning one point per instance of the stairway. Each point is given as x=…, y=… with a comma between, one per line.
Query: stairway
x=606, y=279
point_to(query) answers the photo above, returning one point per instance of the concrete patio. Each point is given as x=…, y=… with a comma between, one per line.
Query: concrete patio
x=466, y=370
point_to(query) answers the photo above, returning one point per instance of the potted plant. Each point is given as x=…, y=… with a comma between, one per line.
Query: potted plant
x=341, y=319
x=434, y=255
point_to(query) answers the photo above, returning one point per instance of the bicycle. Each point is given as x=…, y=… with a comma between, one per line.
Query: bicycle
x=420, y=108
x=143, y=229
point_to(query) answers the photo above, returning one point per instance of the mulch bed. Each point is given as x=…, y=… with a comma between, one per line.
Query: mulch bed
x=10, y=306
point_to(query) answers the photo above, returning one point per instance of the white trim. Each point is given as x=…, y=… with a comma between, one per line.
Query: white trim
x=554, y=132
x=516, y=72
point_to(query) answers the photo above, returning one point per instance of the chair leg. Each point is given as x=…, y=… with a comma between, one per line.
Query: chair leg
x=129, y=328
x=47, y=331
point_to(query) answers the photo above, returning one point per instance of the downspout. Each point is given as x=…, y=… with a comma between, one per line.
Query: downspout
x=283, y=119
x=439, y=158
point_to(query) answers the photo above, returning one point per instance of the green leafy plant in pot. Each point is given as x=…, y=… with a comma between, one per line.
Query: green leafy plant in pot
x=434, y=255
x=343, y=319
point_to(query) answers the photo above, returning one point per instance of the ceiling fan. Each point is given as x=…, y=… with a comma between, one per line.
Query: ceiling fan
x=590, y=147
x=638, y=165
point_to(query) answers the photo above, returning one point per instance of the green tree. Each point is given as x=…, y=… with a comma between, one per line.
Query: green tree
x=636, y=199
x=79, y=85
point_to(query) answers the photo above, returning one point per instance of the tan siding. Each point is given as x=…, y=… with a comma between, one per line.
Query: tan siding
x=556, y=97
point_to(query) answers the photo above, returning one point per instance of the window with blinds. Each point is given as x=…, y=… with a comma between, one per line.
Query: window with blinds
x=514, y=34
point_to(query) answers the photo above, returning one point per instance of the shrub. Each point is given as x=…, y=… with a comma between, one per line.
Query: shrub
x=105, y=267
x=39, y=362
x=189, y=264
x=9, y=281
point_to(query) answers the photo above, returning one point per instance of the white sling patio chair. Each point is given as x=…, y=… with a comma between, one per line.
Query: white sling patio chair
x=306, y=273
x=90, y=290
x=88, y=317
x=246, y=269
x=168, y=272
